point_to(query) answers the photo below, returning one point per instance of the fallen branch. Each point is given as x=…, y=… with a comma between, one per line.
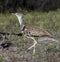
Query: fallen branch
x=9, y=33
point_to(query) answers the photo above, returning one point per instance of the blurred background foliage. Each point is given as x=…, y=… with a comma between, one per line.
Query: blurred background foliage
x=39, y=5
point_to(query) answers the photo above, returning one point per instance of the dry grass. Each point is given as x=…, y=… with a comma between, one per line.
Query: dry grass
x=45, y=51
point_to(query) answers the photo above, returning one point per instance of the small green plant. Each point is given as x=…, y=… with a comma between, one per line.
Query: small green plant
x=51, y=48
x=1, y=56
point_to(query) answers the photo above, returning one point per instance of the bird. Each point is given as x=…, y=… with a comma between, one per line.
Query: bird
x=32, y=31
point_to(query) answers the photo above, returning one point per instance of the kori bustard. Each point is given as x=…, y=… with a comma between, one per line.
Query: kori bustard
x=31, y=31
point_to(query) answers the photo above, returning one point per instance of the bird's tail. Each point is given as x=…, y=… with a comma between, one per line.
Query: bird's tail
x=47, y=39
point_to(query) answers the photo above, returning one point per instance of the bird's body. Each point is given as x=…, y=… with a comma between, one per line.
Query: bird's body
x=37, y=31
x=32, y=30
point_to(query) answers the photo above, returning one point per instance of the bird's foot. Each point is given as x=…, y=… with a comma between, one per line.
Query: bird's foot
x=33, y=46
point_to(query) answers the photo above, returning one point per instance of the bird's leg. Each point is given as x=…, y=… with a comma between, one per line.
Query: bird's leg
x=33, y=46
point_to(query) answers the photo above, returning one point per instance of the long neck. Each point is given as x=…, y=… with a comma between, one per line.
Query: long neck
x=22, y=24
x=20, y=19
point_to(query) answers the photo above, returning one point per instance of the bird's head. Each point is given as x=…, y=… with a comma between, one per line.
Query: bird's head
x=18, y=14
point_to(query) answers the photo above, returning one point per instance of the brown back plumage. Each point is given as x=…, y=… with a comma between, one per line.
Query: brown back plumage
x=37, y=31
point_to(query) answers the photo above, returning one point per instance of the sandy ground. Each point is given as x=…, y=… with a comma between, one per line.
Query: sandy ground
x=17, y=52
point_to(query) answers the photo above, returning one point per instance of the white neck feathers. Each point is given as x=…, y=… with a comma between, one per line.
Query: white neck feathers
x=22, y=24
x=19, y=16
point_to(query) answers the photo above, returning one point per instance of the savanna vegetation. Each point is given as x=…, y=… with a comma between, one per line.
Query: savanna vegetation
x=42, y=13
